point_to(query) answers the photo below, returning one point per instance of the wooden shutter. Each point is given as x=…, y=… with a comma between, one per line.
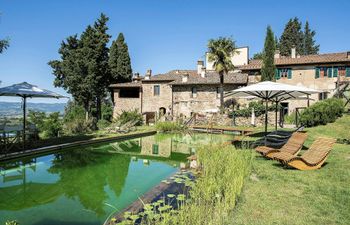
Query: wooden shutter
x=335, y=71
x=347, y=72
x=277, y=74
x=289, y=73
x=317, y=72
x=329, y=72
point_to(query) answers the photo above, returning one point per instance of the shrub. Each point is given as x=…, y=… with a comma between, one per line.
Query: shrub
x=48, y=125
x=127, y=116
x=290, y=119
x=102, y=124
x=74, y=120
x=322, y=112
x=168, y=126
x=259, y=109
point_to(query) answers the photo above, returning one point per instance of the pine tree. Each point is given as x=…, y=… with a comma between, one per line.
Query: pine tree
x=119, y=61
x=268, y=67
x=309, y=44
x=292, y=37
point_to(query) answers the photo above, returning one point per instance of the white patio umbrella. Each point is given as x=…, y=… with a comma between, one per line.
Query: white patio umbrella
x=26, y=90
x=272, y=91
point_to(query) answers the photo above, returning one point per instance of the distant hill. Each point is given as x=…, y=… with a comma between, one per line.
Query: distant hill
x=14, y=109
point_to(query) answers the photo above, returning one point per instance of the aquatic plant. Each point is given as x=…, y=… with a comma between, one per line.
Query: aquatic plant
x=213, y=195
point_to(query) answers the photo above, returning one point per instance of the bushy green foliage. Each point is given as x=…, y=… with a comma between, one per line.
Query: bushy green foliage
x=168, y=126
x=127, y=116
x=290, y=119
x=215, y=192
x=48, y=125
x=259, y=109
x=102, y=124
x=11, y=222
x=107, y=111
x=74, y=120
x=322, y=112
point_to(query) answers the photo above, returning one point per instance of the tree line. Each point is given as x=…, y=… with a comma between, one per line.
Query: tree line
x=292, y=37
x=87, y=66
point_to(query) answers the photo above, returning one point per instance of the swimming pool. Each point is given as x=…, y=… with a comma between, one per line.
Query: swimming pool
x=85, y=185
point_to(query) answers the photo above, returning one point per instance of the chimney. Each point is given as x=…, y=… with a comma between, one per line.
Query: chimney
x=293, y=53
x=148, y=74
x=136, y=77
x=200, y=65
x=185, y=78
x=277, y=54
x=203, y=72
x=348, y=54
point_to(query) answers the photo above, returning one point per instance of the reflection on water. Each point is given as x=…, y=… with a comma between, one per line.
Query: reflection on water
x=78, y=186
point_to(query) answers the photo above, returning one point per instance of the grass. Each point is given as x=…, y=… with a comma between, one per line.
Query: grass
x=216, y=190
x=275, y=195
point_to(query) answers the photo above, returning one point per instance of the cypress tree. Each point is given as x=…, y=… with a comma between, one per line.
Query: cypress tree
x=119, y=61
x=292, y=36
x=309, y=44
x=83, y=67
x=268, y=67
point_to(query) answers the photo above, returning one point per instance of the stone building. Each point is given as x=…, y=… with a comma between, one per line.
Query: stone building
x=176, y=93
x=183, y=92
x=321, y=72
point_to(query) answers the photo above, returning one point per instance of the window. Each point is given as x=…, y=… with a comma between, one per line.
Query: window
x=347, y=72
x=155, y=149
x=322, y=95
x=156, y=90
x=283, y=73
x=129, y=93
x=194, y=92
x=330, y=71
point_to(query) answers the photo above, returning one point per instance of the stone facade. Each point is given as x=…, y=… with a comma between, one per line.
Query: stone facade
x=125, y=104
x=205, y=99
x=152, y=102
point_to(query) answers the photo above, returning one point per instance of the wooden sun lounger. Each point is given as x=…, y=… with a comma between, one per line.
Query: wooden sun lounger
x=312, y=159
x=292, y=146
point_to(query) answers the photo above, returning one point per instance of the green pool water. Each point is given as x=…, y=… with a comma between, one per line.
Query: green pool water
x=85, y=185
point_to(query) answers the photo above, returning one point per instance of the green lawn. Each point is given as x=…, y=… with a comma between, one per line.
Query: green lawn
x=275, y=195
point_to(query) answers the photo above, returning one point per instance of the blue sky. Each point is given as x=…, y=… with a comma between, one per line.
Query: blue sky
x=162, y=34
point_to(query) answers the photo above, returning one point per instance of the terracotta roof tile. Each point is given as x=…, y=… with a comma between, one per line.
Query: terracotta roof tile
x=128, y=84
x=302, y=60
x=174, y=77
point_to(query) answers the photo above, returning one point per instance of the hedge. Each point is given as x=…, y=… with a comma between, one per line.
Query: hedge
x=259, y=109
x=322, y=112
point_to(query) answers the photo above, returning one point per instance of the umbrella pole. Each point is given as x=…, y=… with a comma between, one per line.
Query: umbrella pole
x=24, y=121
x=266, y=106
x=276, y=115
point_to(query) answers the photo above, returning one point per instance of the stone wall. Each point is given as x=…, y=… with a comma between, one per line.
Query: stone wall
x=259, y=120
x=125, y=104
x=206, y=99
x=151, y=102
x=225, y=120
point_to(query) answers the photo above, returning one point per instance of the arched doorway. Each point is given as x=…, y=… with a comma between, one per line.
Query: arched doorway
x=162, y=111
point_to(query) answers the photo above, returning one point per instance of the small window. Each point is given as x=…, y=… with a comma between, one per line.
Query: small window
x=322, y=96
x=283, y=73
x=156, y=90
x=194, y=92
x=155, y=149
x=218, y=92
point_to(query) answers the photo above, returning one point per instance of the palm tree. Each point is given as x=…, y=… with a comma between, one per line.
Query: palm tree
x=220, y=52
